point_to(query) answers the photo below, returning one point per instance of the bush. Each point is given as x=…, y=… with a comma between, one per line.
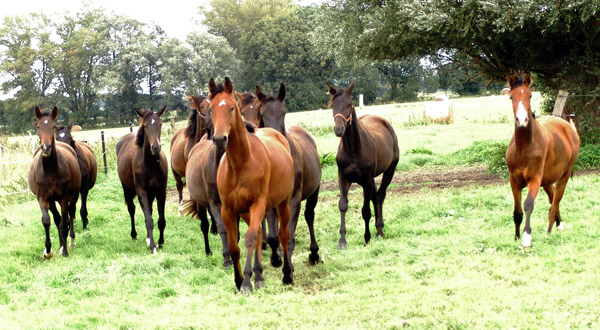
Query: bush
x=589, y=157
x=490, y=153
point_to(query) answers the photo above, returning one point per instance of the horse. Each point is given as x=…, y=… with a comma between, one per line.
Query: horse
x=54, y=176
x=142, y=168
x=250, y=107
x=87, y=166
x=368, y=147
x=184, y=139
x=307, y=172
x=540, y=154
x=255, y=174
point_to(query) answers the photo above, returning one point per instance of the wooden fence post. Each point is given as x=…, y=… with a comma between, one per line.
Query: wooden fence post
x=559, y=104
x=103, y=152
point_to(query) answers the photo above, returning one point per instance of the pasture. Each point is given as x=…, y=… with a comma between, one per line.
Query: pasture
x=448, y=259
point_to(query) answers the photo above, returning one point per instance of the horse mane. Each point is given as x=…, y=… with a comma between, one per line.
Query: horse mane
x=250, y=127
x=247, y=98
x=339, y=92
x=190, y=130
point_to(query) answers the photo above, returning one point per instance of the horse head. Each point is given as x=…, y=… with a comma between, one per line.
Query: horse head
x=150, y=127
x=46, y=123
x=250, y=107
x=63, y=133
x=520, y=95
x=341, y=104
x=224, y=111
x=272, y=111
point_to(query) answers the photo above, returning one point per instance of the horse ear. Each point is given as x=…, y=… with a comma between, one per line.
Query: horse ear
x=512, y=81
x=54, y=113
x=228, y=85
x=212, y=86
x=350, y=88
x=140, y=112
x=331, y=90
x=37, y=112
x=238, y=96
x=70, y=125
x=259, y=94
x=281, y=94
x=528, y=81
x=161, y=111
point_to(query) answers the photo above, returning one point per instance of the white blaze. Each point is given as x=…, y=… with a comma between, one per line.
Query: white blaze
x=62, y=134
x=222, y=103
x=46, y=121
x=521, y=115
x=153, y=121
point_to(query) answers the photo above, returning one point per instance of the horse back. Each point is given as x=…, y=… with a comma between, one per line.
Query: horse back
x=125, y=152
x=383, y=141
x=178, y=157
x=201, y=172
x=87, y=164
x=281, y=165
x=562, y=148
x=307, y=162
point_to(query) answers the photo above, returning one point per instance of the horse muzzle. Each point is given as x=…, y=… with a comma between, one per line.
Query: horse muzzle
x=220, y=141
x=339, y=130
x=521, y=122
x=46, y=150
x=155, y=149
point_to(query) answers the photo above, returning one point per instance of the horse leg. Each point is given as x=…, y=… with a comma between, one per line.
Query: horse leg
x=72, y=210
x=161, y=198
x=380, y=197
x=368, y=195
x=204, y=226
x=309, y=216
x=293, y=223
x=129, y=195
x=343, y=207
x=46, y=222
x=518, y=211
x=554, y=215
x=216, y=212
x=273, y=238
x=259, y=281
x=231, y=227
x=63, y=227
x=533, y=188
x=213, y=223
x=179, y=185
x=83, y=211
x=264, y=233
x=549, y=189
x=283, y=212
x=253, y=218
x=146, y=205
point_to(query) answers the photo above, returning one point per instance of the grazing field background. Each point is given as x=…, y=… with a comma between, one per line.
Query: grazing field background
x=448, y=259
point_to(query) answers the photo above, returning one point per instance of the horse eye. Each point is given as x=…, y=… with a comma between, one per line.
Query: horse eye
x=230, y=109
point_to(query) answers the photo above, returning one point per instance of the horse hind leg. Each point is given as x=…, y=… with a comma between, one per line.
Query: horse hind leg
x=309, y=216
x=204, y=226
x=72, y=209
x=368, y=193
x=273, y=238
x=380, y=197
x=554, y=214
x=83, y=210
x=179, y=185
x=161, y=199
x=343, y=207
x=283, y=212
x=518, y=211
x=216, y=212
x=259, y=281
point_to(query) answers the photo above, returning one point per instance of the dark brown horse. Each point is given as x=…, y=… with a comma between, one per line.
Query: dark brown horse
x=184, y=139
x=142, y=168
x=307, y=172
x=540, y=154
x=255, y=174
x=54, y=177
x=250, y=107
x=368, y=147
x=87, y=166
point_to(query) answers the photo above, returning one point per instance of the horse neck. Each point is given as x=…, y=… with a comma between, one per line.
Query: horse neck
x=238, y=147
x=147, y=152
x=525, y=137
x=51, y=163
x=351, y=137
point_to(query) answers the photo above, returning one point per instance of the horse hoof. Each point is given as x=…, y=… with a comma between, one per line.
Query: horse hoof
x=259, y=284
x=227, y=263
x=526, y=240
x=276, y=261
x=48, y=256
x=264, y=245
x=71, y=242
x=313, y=258
x=154, y=250
x=133, y=236
x=561, y=227
x=288, y=280
x=246, y=290
x=208, y=252
x=342, y=245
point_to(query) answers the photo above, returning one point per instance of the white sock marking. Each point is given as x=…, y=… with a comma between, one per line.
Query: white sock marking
x=561, y=227
x=147, y=241
x=526, y=240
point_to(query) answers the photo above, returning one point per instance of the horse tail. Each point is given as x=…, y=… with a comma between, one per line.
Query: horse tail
x=188, y=207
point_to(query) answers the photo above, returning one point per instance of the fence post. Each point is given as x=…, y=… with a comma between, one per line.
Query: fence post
x=103, y=152
x=559, y=104
x=131, y=127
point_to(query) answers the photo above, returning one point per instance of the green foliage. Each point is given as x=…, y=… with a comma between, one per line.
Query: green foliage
x=589, y=157
x=490, y=153
x=327, y=159
x=423, y=151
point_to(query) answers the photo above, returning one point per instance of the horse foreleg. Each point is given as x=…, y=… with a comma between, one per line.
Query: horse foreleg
x=259, y=281
x=309, y=216
x=368, y=195
x=554, y=214
x=253, y=218
x=72, y=208
x=231, y=227
x=46, y=222
x=146, y=205
x=162, y=221
x=518, y=211
x=343, y=207
x=380, y=197
x=273, y=237
x=283, y=212
x=533, y=188
x=204, y=226
x=83, y=210
x=63, y=227
x=215, y=208
x=294, y=214
x=129, y=195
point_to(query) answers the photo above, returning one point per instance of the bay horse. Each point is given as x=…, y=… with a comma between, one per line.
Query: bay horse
x=307, y=172
x=255, y=174
x=540, y=154
x=368, y=147
x=54, y=176
x=184, y=139
x=87, y=166
x=250, y=107
x=142, y=168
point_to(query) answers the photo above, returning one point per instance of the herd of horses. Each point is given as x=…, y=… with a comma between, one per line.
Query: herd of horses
x=240, y=161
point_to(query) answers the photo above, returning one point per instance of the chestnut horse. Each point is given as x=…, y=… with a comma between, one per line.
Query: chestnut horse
x=142, y=168
x=307, y=172
x=540, y=154
x=368, y=147
x=184, y=139
x=54, y=176
x=255, y=174
x=87, y=166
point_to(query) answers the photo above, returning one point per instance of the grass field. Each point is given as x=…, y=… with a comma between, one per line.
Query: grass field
x=448, y=259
